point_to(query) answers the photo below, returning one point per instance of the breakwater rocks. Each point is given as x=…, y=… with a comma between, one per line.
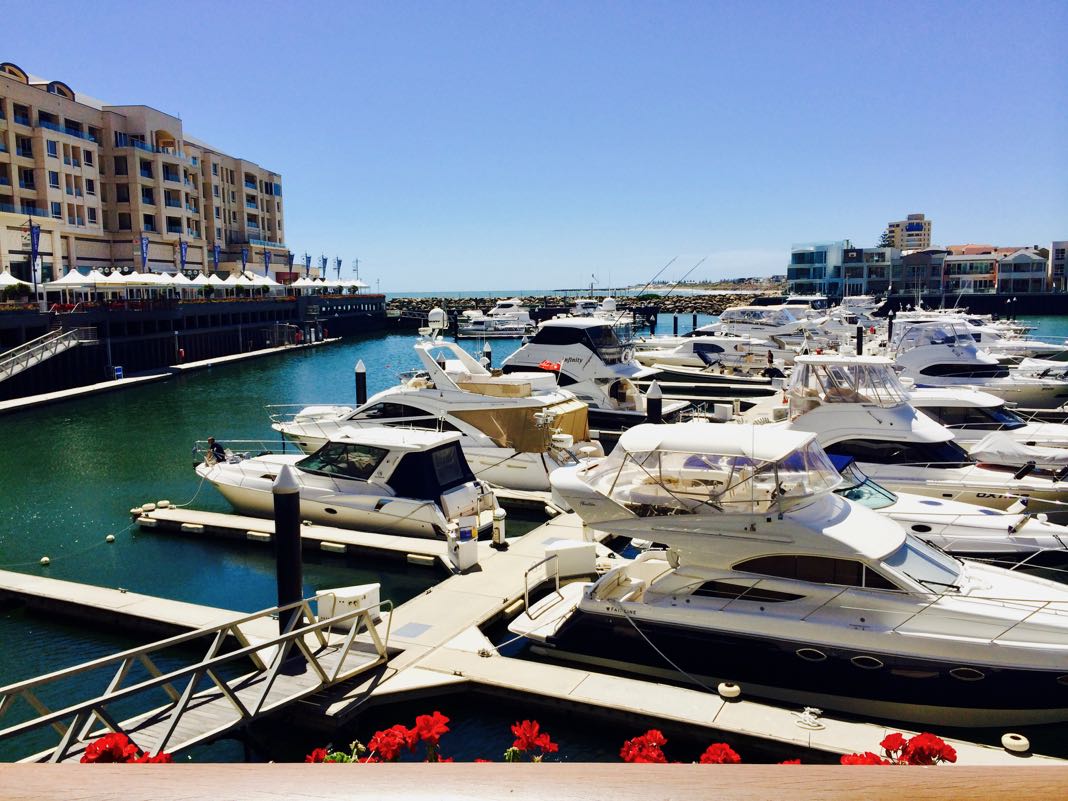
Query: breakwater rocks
x=544, y=306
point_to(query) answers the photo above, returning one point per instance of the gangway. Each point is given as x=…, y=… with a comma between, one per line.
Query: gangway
x=219, y=693
x=35, y=351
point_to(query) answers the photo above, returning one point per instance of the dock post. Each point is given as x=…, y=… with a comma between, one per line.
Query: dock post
x=487, y=354
x=860, y=340
x=694, y=328
x=654, y=403
x=361, y=383
x=288, y=561
x=889, y=330
x=675, y=324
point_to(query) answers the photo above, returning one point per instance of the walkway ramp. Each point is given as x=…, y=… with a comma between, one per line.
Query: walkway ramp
x=35, y=351
x=204, y=696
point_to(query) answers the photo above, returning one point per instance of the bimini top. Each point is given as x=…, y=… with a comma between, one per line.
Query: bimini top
x=573, y=322
x=396, y=439
x=817, y=380
x=761, y=443
x=937, y=332
x=707, y=468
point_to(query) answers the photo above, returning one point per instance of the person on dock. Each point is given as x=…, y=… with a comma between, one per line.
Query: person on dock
x=216, y=452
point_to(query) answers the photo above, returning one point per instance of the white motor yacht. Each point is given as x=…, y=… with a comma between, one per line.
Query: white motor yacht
x=943, y=354
x=772, y=581
x=857, y=407
x=730, y=351
x=508, y=318
x=396, y=481
x=591, y=362
x=515, y=429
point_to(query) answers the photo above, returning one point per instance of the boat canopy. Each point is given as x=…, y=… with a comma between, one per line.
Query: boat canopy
x=840, y=379
x=521, y=428
x=918, y=335
x=762, y=315
x=694, y=468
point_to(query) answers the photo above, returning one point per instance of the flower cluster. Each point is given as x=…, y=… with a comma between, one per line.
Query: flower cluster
x=649, y=748
x=921, y=749
x=117, y=747
x=387, y=745
x=529, y=738
x=719, y=754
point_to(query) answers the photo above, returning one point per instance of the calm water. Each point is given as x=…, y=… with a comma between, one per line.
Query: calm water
x=74, y=470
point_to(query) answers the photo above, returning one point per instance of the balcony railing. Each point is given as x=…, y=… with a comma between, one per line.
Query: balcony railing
x=170, y=176
x=192, y=208
x=174, y=204
x=150, y=227
x=25, y=152
x=266, y=243
x=70, y=190
x=26, y=184
x=174, y=229
x=77, y=192
x=146, y=173
x=251, y=185
x=148, y=199
x=22, y=119
x=253, y=225
x=75, y=162
x=10, y=208
x=253, y=206
x=5, y=181
x=64, y=129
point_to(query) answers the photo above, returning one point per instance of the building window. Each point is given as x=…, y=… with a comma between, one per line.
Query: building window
x=124, y=221
x=122, y=193
x=214, y=168
x=149, y=222
x=215, y=190
x=148, y=196
x=92, y=216
x=90, y=186
x=233, y=196
x=87, y=157
x=217, y=212
x=53, y=179
x=218, y=234
x=57, y=210
x=53, y=148
x=120, y=165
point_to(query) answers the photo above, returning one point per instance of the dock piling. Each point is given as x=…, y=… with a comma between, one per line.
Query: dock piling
x=361, y=383
x=487, y=354
x=289, y=567
x=675, y=324
x=654, y=403
x=860, y=340
x=694, y=327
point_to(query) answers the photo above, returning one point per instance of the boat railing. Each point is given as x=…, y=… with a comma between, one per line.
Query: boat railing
x=238, y=449
x=545, y=575
x=285, y=413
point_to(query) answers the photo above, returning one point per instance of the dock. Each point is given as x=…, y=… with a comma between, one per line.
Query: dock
x=436, y=646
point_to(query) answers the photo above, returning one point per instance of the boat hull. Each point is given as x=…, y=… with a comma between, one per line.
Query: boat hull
x=862, y=682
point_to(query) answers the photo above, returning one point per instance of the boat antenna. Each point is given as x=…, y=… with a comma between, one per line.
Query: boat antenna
x=673, y=286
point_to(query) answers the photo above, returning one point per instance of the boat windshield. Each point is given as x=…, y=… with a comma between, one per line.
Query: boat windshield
x=844, y=382
x=344, y=460
x=760, y=315
x=925, y=565
x=975, y=418
x=662, y=482
x=858, y=487
x=924, y=334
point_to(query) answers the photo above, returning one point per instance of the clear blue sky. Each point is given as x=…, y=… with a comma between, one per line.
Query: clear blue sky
x=454, y=145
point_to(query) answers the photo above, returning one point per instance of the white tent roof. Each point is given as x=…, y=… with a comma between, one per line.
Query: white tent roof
x=116, y=278
x=71, y=279
x=231, y=279
x=303, y=281
x=200, y=280
x=214, y=280
x=178, y=279
x=7, y=279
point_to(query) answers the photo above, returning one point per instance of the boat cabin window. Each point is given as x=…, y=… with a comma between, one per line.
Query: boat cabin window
x=601, y=339
x=679, y=482
x=818, y=570
x=926, y=565
x=844, y=382
x=344, y=460
x=428, y=474
x=861, y=489
x=400, y=414
x=975, y=418
x=953, y=370
x=941, y=454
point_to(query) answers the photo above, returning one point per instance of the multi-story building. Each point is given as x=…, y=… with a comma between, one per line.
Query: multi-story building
x=920, y=272
x=1026, y=270
x=1057, y=264
x=97, y=178
x=912, y=233
x=837, y=268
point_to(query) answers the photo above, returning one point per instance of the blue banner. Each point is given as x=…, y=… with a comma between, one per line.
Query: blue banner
x=244, y=258
x=291, y=257
x=322, y=274
x=35, y=248
x=144, y=253
x=267, y=262
x=183, y=249
x=215, y=255
x=307, y=265
x=338, y=259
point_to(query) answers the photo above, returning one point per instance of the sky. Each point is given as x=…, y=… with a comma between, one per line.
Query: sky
x=537, y=145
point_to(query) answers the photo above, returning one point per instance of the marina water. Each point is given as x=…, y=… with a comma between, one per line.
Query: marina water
x=75, y=469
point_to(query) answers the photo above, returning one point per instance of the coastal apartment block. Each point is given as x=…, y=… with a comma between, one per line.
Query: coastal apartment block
x=912, y=233
x=98, y=177
x=837, y=268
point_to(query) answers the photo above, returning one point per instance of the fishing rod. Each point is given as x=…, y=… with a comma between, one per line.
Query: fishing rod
x=647, y=285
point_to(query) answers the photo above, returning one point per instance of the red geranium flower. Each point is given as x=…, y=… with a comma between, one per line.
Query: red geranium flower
x=927, y=749
x=893, y=743
x=388, y=743
x=430, y=728
x=867, y=758
x=790, y=762
x=317, y=755
x=528, y=736
x=158, y=759
x=114, y=747
x=647, y=748
x=719, y=754
x=484, y=760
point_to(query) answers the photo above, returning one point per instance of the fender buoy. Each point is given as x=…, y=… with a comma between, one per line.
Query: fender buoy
x=1016, y=743
x=728, y=689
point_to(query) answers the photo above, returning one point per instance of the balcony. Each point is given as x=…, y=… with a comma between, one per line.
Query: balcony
x=62, y=129
x=23, y=208
x=187, y=182
x=171, y=176
x=25, y=152
x=75, y=162
x=150, y=227
x=251, y=205
x=26, y=184
x=173, y=204
x=174, y=229
x=5, y=181
x=193, y=233
x=148, y=200
x=146, y=173
x=191, y=208
x=253, y=225
x=251, y=185
x=22, y=119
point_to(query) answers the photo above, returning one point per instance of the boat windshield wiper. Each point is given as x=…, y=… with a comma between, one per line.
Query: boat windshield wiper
x=929, y=582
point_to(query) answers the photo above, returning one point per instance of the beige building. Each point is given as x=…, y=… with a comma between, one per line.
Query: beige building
x=98, y=178
x=913, y=233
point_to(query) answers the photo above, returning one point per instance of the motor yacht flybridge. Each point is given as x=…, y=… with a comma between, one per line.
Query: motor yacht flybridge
x=396, y=481
x=771, y=580
x=508, y=318
x=857, y=407
x=944, y=354
x=515, y=429
x=591, y=362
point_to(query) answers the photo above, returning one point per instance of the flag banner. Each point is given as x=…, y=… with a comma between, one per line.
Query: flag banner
x=35, y=249
x=266, y=262
x=307, y=265
x=215, y=256
x=244, y=258
x=144, y=253
x=183, y=250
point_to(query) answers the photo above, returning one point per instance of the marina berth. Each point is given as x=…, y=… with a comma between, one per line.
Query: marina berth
x=943, y=354
x=400, y=481
x=515, y=429
x=768, y=579
x=591, y=362
x=857, y=407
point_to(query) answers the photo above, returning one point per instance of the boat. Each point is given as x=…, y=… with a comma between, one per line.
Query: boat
x=769, y=580
x=590, y=361
x=727, y=350
x=508, y=318
x=396, y=481
x=786, y=326
x=514, y=429
x=857, y=407
x=944, y=354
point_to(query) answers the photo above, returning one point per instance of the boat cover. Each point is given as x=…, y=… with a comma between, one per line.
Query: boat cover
x=997, y=447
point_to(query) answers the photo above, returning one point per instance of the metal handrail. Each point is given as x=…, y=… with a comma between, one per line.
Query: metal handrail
x=82, y=714
x=44, y=347
x=555, y=558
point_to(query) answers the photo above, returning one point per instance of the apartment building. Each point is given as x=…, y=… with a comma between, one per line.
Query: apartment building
x=1057, y=264
x=98, y=178
x=912, y=233
x=838, y=268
